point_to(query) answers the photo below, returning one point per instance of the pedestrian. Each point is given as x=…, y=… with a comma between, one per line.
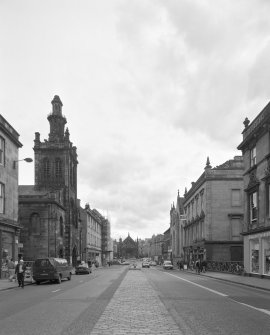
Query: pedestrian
x=11, y=269
x=20, y=271
x=204, y=266
x=198, y=266
x=181, y=266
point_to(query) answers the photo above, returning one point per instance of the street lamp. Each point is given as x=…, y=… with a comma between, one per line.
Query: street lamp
x=27, y=159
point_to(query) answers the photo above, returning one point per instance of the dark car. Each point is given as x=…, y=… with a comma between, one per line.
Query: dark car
x=52, y=269
x=83, y=269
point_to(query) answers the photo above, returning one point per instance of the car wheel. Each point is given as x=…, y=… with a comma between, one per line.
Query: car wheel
x=37, y=282
x=69, y=277
x=59, y=279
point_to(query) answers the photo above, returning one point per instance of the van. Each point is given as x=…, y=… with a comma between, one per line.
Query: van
x=52, y=269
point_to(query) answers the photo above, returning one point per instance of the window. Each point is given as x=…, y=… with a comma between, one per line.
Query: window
x=35, y=224
x=46, y=168
x=236, y=198
x=58, y=168
x=2, y=151
x=235, y=225
x=253, y=207
x=2, y=198
x=253, y=156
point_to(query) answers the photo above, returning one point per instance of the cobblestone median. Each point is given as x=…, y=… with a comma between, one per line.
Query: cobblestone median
x=135, y=308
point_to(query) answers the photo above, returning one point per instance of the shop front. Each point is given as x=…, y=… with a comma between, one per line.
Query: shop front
x=8, y=247
x=257, y=253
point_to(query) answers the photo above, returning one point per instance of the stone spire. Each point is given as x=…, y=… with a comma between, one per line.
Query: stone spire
x=57, y=121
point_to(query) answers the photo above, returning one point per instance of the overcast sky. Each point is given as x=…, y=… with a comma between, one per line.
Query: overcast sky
x=150, y=88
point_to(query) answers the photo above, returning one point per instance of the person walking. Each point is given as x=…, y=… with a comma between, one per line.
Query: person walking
x=198, y=266
x=20, y=271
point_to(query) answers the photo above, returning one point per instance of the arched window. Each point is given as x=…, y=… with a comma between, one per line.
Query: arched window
x=35, y=224
x=58, y=168
x=46, y=167
x=61, y=227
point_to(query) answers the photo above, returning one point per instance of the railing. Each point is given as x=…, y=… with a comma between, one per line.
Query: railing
x=229, y=267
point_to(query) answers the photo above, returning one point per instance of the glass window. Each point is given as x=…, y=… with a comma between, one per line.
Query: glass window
x=255, y=256
x=253, y=156
x=266, y=243
x=2, y=151
x=235, y=229
x=236, y=198
x=253, y=207
x=58, y=168
x=46, y=168
x=2, y=198
x=61, y=227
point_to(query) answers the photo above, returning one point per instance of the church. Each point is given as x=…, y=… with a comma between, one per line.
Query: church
x=48, y=210
x=128, y=248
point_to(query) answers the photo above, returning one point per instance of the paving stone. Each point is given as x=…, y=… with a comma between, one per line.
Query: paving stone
x=135, y=308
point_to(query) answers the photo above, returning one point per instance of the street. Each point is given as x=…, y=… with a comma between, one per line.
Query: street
x=116, y=300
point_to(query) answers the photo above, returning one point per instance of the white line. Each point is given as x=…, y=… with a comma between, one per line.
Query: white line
x=265, y=311
x=56, y=290
x=206, y=288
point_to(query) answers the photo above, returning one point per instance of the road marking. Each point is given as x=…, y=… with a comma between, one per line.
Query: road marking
x=265, y=311
x=257, y=309
x=206, y=288
x=56, y=290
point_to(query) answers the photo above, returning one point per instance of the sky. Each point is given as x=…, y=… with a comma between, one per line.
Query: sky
x=150, y=89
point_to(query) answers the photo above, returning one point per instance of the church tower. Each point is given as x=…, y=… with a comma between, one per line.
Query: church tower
x=56, y=171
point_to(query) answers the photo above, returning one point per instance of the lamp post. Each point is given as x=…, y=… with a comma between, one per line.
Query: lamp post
x=27, y=159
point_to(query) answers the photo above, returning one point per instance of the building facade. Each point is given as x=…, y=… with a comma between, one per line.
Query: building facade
x=177, y=230
x=256, y=152
x=55, y=178
x=91, y=236
x=214, y=210
x=128, y=248
x=9, y=226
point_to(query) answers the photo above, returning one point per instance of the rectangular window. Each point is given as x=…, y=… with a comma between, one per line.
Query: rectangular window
x=236, y=198
x=253, y=156
x=2, y=198
x=253, y=207
x=2, y=151
x=235, y=229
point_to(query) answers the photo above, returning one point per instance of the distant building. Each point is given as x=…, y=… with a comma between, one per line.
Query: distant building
x=177, y=230
x=256, y=151
x=128, y=248
x=91, y=226
x=214, y=210
x=156, y=245
x=166, y=247
x=48, y=209
x=9, y=226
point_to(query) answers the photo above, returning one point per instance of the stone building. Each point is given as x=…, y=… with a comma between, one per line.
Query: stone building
x=156, y=245
x=256, y=152
x=166, y=247
x=214, y=214
x=9, y=226
x=91, y=226
x=128, y=248
x=48, y=210
x=177, y=230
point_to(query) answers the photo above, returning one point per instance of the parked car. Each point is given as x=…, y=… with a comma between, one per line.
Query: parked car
x=83, y=269
x=145, y=264
x=167, y=265
x=52, y=269
x=153, y=263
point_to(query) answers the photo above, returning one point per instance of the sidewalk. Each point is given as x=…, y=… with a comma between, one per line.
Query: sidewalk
x=261, y=283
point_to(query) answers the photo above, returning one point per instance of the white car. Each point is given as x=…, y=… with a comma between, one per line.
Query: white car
x=167, y=265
